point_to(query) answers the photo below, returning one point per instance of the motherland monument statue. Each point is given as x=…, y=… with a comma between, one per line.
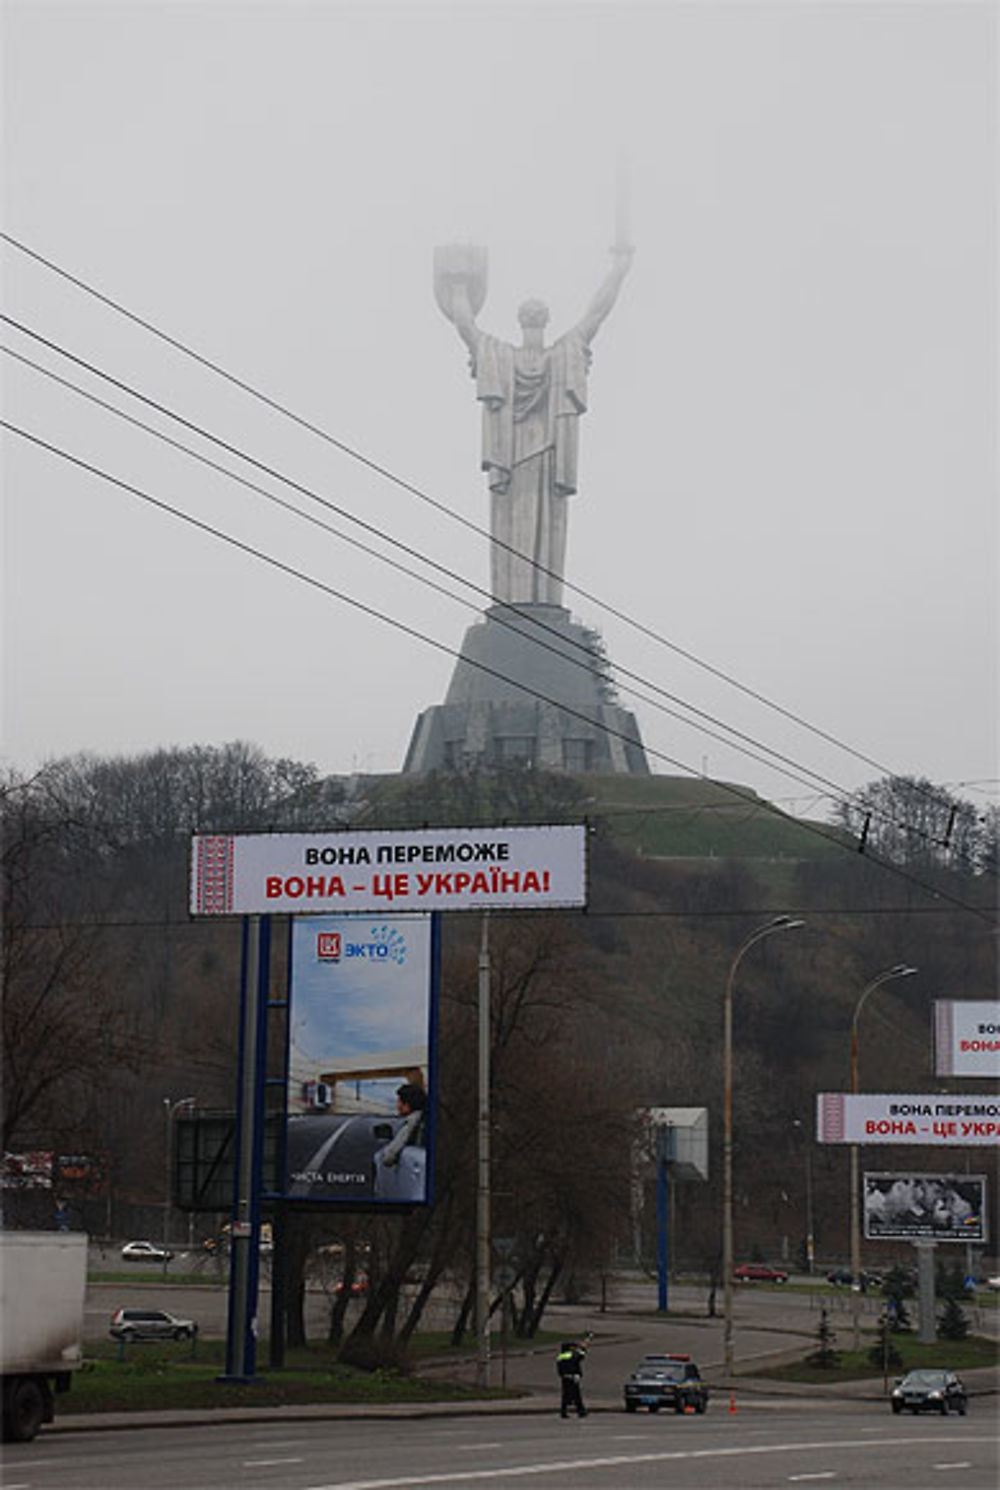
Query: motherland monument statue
x=532, y=396
x=532, y=686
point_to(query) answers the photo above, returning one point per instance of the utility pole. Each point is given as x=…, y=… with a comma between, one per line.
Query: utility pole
x=483, y=1166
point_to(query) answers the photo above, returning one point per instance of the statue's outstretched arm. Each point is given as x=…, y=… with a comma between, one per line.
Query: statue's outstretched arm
x=607, y=294
x=462, y=315
x=460, y=286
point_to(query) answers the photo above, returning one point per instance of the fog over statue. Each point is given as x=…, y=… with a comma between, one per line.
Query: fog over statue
x=532, y=397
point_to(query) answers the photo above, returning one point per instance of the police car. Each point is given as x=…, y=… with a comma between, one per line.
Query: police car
x=666, y=1381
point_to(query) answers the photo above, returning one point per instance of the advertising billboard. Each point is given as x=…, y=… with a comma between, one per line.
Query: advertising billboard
x=925, y=1207
x=939, y=1119
x=967, y=1038
x=361, y=1059
x=389, y=871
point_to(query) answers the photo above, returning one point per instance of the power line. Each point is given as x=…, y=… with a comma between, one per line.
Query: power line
x=413, y=632
x=584, y=661
x=425, y=497
x=587, y=913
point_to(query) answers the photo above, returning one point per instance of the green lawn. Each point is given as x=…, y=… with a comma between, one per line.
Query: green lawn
x=173, y=1375
x=954, y=1355
x=150, y=1376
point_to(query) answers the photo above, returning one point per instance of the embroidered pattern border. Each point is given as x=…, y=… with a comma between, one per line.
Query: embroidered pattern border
x=214, y=889
x=832, y=1117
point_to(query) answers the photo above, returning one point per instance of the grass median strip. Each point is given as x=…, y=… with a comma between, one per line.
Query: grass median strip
x=958, y=1355
x=159, y=1377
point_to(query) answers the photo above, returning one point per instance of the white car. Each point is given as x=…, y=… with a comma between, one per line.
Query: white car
x=145, y=1252
x=993, y=1282
x=150, y=1324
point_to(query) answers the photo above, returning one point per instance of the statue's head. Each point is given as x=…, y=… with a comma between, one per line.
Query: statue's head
x=533, y=313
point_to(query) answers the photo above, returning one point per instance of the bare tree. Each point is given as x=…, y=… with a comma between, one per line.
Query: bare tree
x=910, y=821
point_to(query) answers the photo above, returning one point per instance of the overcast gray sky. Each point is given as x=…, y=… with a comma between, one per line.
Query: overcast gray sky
x=788, y=467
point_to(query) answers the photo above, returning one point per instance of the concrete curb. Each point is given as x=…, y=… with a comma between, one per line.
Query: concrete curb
x=745, y=1393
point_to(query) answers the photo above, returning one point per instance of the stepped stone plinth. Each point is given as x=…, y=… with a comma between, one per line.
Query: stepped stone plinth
x=531, y=687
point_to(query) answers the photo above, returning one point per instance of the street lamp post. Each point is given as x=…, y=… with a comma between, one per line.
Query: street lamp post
x=901, y=970
x=807, y=1159
x=170, y=1110
x=483, y=1241
x=780, y=923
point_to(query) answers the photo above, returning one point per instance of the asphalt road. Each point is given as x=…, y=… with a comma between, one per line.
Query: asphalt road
x=745, y=1440
x=767, y=1320
x=838, y=1445
x=765, y=1324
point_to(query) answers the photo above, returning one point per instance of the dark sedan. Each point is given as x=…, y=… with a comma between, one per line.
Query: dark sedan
x=844, y=1278
x=666, y=1381
x=929, y=1391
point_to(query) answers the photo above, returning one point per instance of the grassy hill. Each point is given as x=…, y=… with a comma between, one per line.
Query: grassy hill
x=680, y=817
x=671, y=817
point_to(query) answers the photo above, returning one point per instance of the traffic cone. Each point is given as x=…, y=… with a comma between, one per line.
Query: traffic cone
x=732, y=1404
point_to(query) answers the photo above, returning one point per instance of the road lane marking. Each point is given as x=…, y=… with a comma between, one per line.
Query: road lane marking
x=474, y=1448
x=958, y=1464
x=267, y=1463
x=617, y=1461
x=817, y=1474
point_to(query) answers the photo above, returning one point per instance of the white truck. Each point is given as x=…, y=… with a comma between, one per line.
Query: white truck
x=43, y=1277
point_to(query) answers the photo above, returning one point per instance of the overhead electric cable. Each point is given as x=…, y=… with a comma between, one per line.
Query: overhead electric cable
x=425, y=497
x=836, y=791
x=661, y=913
x=584, y=661
x=298, y=574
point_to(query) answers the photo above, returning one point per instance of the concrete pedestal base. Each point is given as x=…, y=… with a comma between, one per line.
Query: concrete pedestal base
x=532, y=688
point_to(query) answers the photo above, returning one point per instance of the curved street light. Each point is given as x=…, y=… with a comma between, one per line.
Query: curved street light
x=901, y=970
x=780, y=923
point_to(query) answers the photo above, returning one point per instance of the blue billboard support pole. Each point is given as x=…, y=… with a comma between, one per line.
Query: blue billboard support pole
x=244, y=1244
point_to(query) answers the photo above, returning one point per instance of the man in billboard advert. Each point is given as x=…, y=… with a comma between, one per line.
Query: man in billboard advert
x=400, y=1167
x=359, y=1060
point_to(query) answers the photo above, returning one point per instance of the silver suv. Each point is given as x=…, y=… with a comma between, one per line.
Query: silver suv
x=150, y=1324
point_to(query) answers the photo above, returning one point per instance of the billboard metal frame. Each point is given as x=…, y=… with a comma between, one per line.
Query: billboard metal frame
x=255, y=876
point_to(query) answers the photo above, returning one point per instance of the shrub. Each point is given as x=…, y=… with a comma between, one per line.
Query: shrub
x=824, y=1355
x=376, y=1353
x=953, y=1323
x=898, y=1286
x=883, y=1353
x=949, y=1282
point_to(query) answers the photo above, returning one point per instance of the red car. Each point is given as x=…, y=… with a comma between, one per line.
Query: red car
x=359, y=1284
x=759, y=1272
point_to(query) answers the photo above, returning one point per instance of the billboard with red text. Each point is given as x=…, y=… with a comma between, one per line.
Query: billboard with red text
x=388, y=871
x=938, y=1118
x=967, y=1038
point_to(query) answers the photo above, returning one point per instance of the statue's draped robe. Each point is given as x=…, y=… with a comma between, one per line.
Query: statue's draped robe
x=531, y=403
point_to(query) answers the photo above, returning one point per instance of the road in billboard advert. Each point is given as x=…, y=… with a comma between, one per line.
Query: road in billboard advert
x=361, y=1059
x=925, y=1207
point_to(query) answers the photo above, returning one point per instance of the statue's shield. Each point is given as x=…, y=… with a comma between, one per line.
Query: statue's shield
x=460, y=263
